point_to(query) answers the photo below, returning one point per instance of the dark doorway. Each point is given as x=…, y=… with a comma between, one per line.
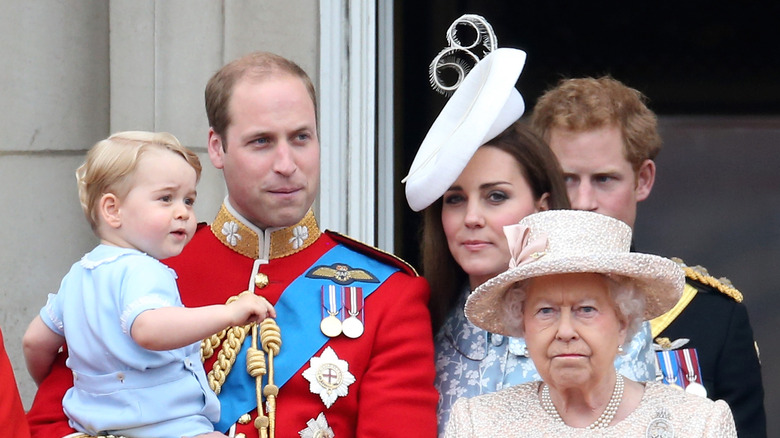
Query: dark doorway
x=711, y=72
x=689, y=58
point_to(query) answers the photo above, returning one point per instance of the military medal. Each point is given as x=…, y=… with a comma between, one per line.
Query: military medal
x=692, y=373
x=667, y=365
x=659, y=375
x=353, y=299
x=330, y=324
x=328, y=376
x=670, y=367
x=696, y=388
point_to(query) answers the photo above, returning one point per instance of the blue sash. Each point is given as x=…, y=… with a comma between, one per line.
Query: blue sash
x=298, y=317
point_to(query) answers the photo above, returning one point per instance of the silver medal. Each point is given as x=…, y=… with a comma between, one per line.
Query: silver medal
x=693, y=386
x=696, y=388
x=353, y=328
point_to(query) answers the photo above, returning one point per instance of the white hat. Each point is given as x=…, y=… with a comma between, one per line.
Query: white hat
x=483, y=106
x=571, y=241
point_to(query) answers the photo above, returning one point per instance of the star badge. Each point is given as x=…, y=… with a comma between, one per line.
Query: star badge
x=317, y=428
x=328, y=376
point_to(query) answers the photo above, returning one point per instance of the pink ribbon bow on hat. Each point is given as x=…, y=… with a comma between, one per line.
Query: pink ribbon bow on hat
x=521, y=249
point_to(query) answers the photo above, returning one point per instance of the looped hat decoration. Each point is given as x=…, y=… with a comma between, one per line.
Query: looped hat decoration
x=451, y=57
x=483, y=105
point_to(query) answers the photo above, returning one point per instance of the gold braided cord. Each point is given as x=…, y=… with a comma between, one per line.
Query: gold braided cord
x=207, y=345
x=233, y=338
x=227, y=357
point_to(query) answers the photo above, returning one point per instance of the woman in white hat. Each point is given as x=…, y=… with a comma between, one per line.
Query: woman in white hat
x=477, y=170
x=575, y=292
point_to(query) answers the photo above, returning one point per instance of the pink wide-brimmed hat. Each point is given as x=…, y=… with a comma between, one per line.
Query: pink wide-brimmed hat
x=570, y=241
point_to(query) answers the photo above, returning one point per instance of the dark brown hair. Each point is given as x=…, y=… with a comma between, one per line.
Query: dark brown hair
x=542, y=173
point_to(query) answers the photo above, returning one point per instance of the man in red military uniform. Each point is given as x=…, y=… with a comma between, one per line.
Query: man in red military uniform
x=355, y=356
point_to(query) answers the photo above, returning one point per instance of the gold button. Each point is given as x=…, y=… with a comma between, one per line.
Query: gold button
x=261, y=280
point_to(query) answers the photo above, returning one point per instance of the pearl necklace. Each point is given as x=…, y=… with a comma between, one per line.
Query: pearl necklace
x=604, y=419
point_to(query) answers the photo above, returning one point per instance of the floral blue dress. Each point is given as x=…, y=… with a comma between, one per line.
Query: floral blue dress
x=471, y=361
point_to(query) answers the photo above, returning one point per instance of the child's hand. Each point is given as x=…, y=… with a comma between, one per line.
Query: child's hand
x=249, y=308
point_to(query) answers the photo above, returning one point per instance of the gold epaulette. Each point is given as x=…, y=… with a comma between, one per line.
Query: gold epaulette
x=388, y=258
x=700, y=274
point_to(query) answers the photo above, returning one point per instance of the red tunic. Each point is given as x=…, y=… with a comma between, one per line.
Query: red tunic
x=11, y=410
x=393, y=393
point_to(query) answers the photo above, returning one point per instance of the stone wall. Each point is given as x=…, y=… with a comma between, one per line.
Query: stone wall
x=75, y=71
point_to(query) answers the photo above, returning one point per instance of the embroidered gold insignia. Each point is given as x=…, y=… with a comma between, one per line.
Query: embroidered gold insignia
x=328, y=376
x=342, y=274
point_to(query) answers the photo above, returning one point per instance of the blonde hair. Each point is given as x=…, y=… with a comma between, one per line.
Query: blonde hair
x=110, y=164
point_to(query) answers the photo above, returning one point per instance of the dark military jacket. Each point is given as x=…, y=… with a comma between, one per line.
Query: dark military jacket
x=716, y=324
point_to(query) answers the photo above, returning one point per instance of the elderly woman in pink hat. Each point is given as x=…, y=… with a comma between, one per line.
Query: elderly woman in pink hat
x=575, y=293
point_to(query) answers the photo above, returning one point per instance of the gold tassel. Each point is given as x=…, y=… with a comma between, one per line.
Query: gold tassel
x=255, y=366
x=271, y=339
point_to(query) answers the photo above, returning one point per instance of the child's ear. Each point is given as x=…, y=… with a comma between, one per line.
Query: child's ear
x=108, y=209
